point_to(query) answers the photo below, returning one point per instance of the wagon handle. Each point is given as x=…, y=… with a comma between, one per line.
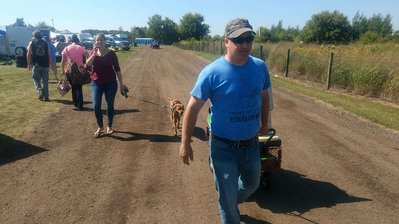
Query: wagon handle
x=272, y=132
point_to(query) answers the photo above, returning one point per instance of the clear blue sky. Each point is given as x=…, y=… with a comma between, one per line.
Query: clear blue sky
x=76, y=15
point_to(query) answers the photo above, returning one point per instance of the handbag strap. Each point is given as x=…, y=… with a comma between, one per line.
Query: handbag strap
x=68, y=56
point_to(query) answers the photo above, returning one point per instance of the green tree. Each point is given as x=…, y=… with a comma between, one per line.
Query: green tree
x=277, y=31
x=327, y=27
x=169, y=31
x=19, y=22
x=154, y=26
x=265, y=34
x=380, y=25
x=192, y=26
x=165, y=31
x=292, y=33
x=138, y=32
x=376, y=28
x=44, y=26
x=217, y=38
x=359, y=25
x=370, y=37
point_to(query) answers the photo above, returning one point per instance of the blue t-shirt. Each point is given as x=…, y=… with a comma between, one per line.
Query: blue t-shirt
x=235, y=93
x=52, y=51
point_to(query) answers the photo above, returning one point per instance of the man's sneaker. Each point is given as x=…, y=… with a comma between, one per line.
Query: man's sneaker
x=46, y=99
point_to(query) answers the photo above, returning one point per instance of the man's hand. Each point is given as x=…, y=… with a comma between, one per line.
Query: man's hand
x=186, y=153
x=264, y=130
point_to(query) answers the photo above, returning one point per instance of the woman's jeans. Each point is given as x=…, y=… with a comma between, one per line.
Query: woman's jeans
x=109, y=90
x=40, y=74
x=237, y=174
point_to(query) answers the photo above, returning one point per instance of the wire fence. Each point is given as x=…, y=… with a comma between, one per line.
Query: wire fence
x=371, y=70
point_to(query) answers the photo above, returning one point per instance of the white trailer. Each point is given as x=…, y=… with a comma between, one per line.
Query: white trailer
x=4, y=47
x=18, y=36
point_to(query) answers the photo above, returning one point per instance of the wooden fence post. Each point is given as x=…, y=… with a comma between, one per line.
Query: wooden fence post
x=329, y=70
x=261, y=52
x=287, y=62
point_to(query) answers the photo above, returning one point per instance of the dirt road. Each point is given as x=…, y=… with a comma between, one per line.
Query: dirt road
x=336, y=168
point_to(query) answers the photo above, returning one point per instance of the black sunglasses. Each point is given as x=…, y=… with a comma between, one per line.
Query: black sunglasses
x=240, y=40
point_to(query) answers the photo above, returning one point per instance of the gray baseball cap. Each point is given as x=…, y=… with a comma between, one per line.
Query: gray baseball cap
x=236, y=27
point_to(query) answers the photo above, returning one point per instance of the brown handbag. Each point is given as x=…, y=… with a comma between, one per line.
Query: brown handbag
x=77, y=75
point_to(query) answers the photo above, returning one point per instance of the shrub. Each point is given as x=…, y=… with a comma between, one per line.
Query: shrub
x=369, y=81
x=391, y=89
x=342, y=76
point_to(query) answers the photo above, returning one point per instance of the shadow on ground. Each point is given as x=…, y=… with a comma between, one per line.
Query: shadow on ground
x=249, y=220
x=63, y=101
x=294, y=194
x=12, y=150
x=133, y=136
x=122, y=111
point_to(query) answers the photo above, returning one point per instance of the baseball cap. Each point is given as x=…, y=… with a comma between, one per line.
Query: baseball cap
x=236, y=27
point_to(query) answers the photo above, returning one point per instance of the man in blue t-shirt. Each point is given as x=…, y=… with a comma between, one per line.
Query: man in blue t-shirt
x=53, y=65
x=237, y=86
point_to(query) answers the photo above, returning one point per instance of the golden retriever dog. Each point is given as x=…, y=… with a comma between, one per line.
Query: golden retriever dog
x=176, y=109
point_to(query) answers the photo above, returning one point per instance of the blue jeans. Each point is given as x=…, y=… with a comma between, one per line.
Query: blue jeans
x=236, y=173
x=40, y=74
x=109, y=90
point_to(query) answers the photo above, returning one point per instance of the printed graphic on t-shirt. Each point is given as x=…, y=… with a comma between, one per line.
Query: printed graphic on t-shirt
x=248, y=93
x=244, y=116
x=248, y=96
x=40, y=49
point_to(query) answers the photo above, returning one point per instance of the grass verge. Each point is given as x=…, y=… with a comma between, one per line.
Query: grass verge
x=378, y=112
x=20, y=109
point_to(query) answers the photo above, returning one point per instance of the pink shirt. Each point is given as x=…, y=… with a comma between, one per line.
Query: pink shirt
x=74, y=53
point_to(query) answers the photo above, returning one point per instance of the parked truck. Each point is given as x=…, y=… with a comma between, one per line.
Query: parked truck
x=86, y=40
x=121, y=43
x=123, y=36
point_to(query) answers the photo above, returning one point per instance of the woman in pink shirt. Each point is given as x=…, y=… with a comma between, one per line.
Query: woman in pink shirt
x=75, y=53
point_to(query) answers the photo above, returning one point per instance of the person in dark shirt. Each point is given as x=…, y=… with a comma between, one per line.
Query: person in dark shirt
x=104, y=73
x=39, y=60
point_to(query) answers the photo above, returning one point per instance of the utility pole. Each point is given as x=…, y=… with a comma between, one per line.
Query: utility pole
x=52, y=22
